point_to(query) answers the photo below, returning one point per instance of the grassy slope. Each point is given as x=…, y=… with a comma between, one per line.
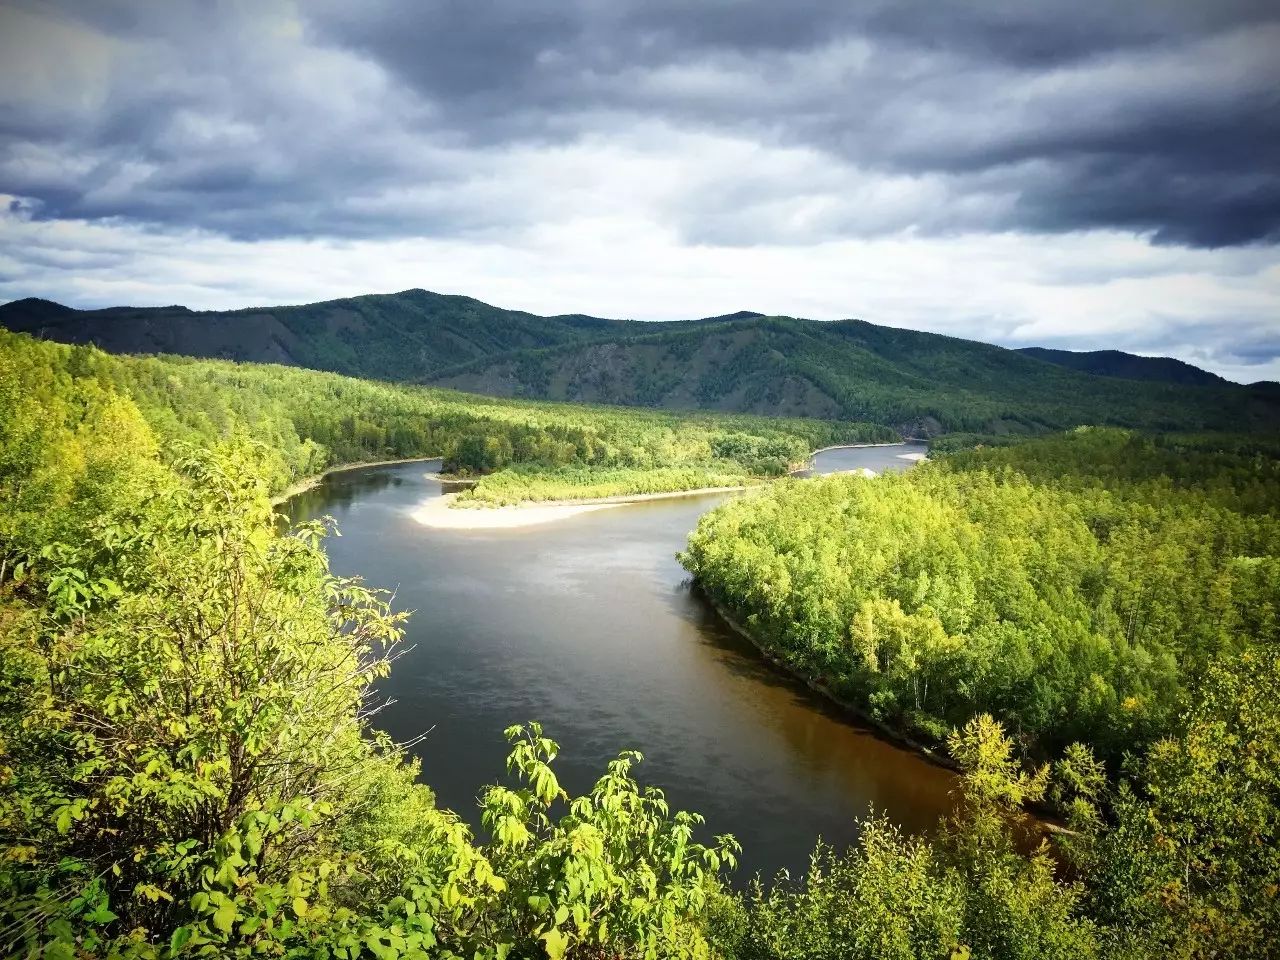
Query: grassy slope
x=522, y=485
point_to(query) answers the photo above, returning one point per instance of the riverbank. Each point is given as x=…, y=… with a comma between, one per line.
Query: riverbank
x=932, y=753
x=594, y=617
x=308, y=483
x=867, y=446
x=441, y=513
x=527, y=518
x=1044, y=818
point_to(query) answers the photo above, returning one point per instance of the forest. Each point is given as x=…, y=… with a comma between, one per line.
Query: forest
x=190, y=764
x=1075, y=587
x=922, y=383
x=310, y=420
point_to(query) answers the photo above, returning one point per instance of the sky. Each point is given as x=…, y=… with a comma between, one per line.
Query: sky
x=1062, y=173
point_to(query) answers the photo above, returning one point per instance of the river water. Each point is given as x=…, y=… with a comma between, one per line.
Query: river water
x=590, y=626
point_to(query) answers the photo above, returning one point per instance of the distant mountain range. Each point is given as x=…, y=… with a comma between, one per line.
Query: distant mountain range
x=1127, y=366
x=397, y=336
x=920, y=382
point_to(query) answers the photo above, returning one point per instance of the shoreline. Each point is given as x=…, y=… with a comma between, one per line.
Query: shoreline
x=537, y=512
x=1044, y=818
x=877, y=727
x=864, y=446
x=440, y=513
x=310, y=482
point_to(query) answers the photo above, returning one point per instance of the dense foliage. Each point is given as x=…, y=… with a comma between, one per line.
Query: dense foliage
x=850, y=369
x=312, y=420
x=1178, y=861
x=190, y=765
x=1075, y=587
x=187, y=765
x=521, y=484
x=922, y=383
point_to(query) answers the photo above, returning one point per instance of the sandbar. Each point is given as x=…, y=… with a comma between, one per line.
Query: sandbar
x=440, y=513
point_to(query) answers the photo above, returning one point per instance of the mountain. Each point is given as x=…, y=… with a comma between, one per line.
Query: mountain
x=397, y=336
x=921, y=383
x=1128, y=366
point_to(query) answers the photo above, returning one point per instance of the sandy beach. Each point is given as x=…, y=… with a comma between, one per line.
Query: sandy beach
x=440, y=514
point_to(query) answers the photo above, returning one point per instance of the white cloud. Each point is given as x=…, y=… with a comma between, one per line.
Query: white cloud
x=1014, y=289
x=658, y=161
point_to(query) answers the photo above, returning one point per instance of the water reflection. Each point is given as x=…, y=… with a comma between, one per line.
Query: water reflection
x=590, y=625
x=893, y=458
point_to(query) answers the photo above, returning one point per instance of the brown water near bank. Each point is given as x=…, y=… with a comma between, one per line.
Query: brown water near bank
x=591, y=626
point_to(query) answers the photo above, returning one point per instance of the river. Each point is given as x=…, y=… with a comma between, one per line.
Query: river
x=590, y=625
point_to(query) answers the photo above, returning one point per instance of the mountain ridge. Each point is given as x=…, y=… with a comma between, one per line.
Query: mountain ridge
x=1127, y=366
x=742, y=361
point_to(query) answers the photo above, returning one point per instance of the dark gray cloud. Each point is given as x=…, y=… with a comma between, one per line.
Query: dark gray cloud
x=1160, y=118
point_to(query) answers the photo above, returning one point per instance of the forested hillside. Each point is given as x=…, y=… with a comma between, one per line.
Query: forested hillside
x=918, y=383
x=922, y=383
x=311, y=420
x=1127, y=366
x=190, y=764
x=1077, y=587
x=398, y=336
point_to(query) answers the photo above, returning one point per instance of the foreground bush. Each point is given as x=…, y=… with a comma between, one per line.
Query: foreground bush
x=189, y=768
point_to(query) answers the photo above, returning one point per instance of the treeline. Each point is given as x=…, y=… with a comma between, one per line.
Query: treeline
x=533, y=484
x=1075, y=587
x=920, y=382
x=312, y=420
x=190, y=767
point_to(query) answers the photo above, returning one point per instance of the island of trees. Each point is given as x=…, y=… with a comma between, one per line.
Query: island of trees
x=190, y=767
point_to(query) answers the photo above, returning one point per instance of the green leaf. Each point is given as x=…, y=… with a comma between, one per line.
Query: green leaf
x=181, y=936
x=224, y=917
x=556, y=942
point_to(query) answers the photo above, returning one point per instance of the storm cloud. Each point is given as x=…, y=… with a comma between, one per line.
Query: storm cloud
x=803, y=135
x=383, y=118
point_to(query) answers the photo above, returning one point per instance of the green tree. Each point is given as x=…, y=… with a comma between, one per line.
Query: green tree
x=1191, y=867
